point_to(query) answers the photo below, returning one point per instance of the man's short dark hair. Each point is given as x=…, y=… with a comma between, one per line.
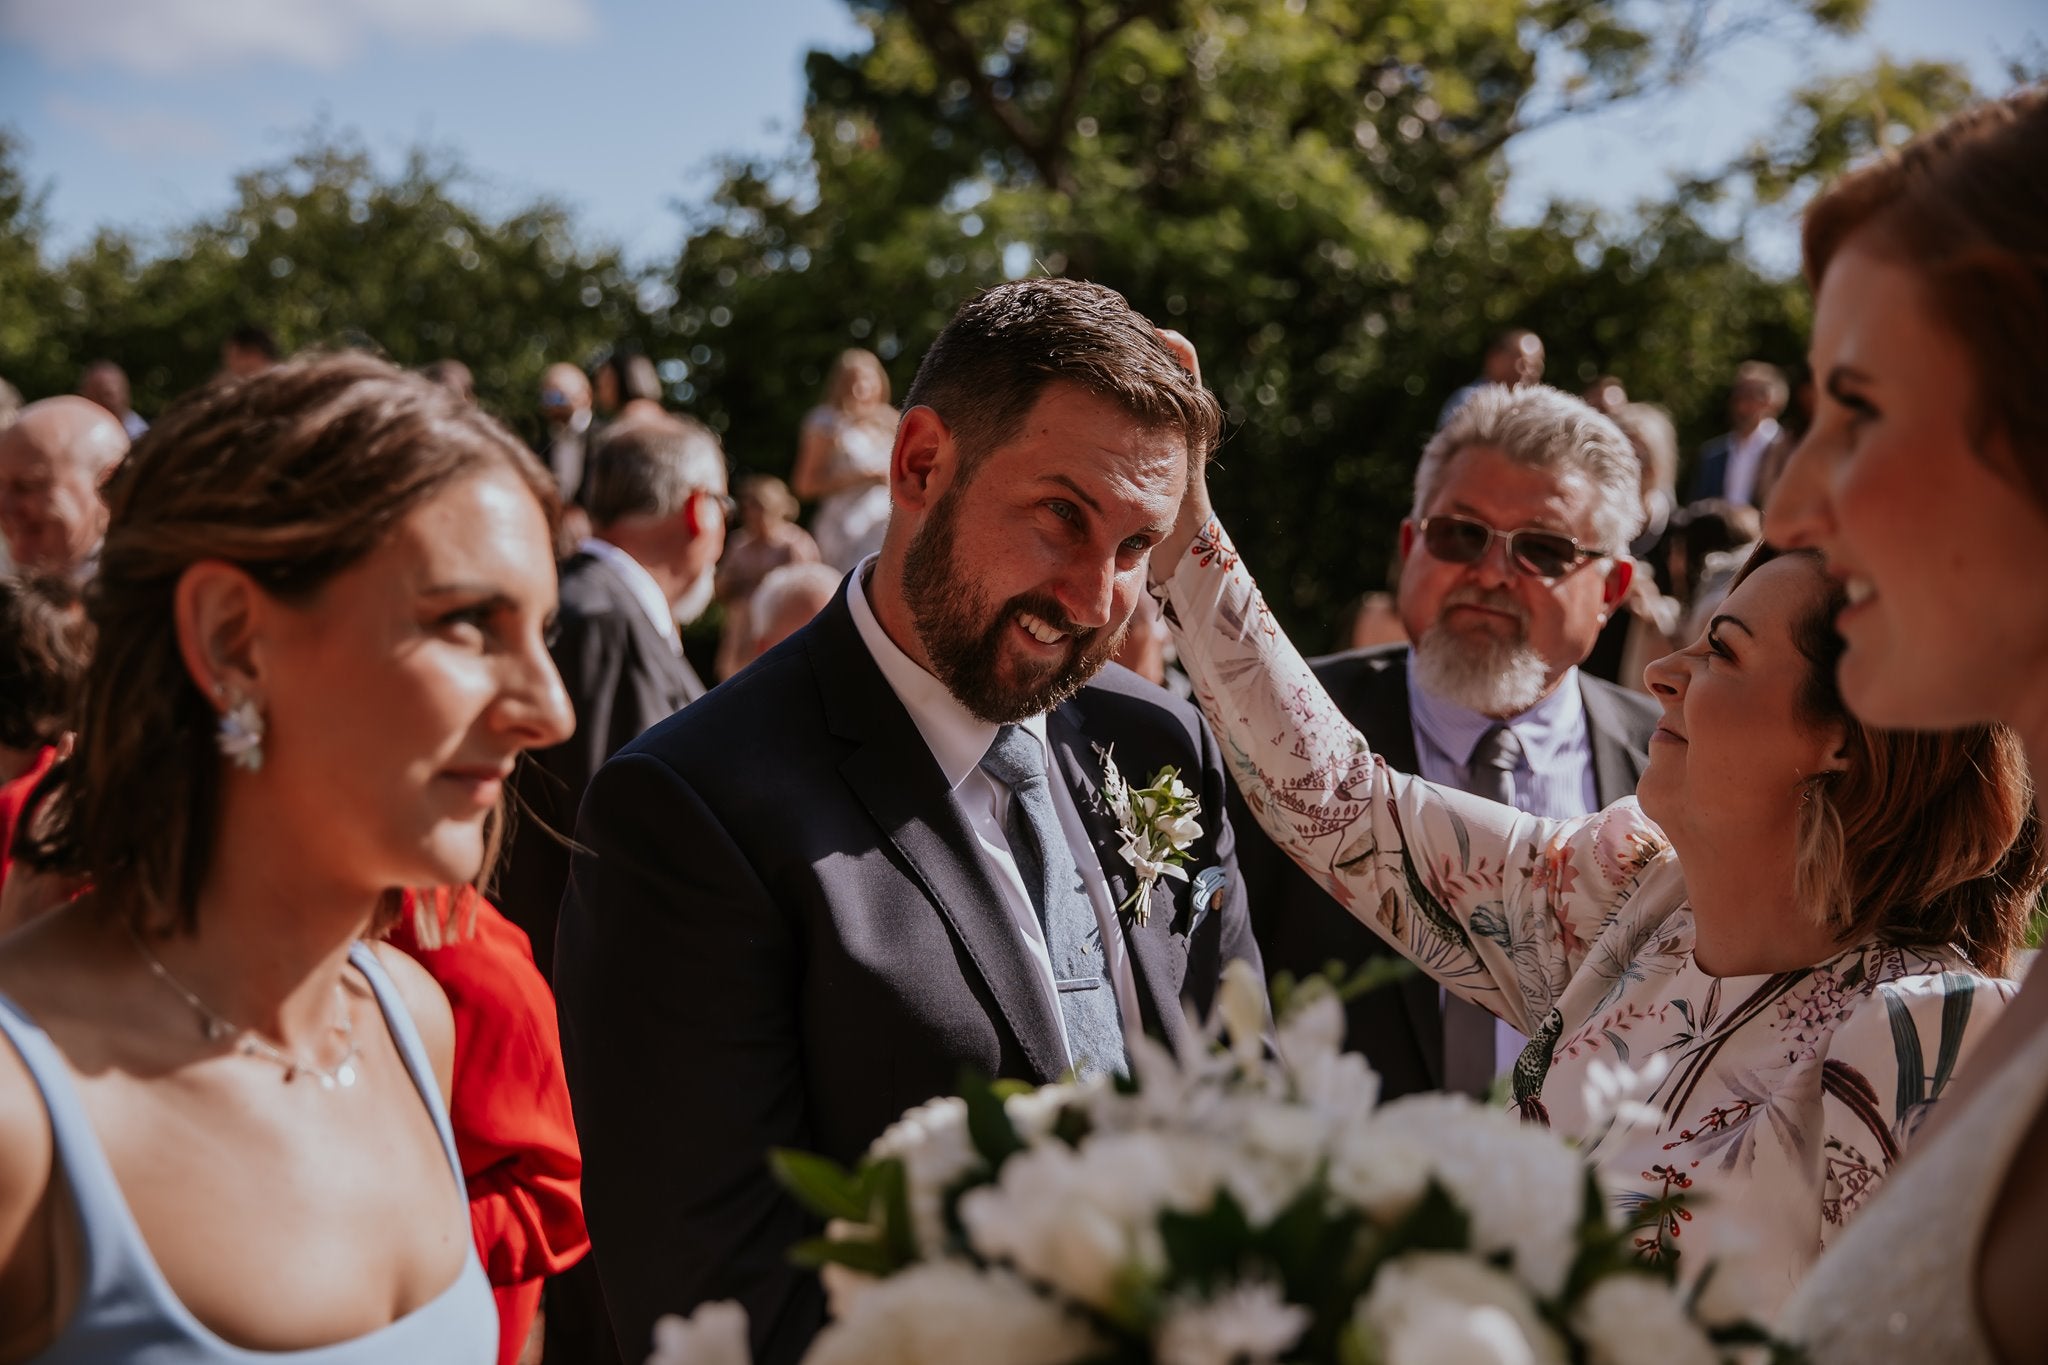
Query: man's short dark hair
x=649, y=468
x=251, y=337
x=988, y=367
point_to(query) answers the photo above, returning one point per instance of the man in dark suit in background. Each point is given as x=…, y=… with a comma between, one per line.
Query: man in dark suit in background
x=1735, y=466
x=1514, y=557
x=878, y=857
x=657, y=494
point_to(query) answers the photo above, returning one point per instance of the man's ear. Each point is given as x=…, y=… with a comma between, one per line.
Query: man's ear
x=695, y=513
x=924, y=461
x=1619, y=575
x=217, y=608
x=1407, y=537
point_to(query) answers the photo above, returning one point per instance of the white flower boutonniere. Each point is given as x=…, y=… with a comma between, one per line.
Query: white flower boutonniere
x=1158, y=826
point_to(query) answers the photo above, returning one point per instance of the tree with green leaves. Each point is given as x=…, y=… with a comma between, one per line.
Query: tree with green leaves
x=323, y=249
x=1310, y=189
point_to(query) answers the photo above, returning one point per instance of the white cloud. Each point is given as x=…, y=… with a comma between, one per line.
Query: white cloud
x=166, y=37
x=138, y=132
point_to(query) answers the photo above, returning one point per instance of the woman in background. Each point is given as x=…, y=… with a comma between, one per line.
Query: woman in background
x=842, y=460
x=767, y=539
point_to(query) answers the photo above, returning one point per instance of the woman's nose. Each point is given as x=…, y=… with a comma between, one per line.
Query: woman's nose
x=1665, y=677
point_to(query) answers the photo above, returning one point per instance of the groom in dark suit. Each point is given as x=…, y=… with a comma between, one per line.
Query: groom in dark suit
x=878, y=857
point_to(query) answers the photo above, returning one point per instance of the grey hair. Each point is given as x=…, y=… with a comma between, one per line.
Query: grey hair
x=650, y=467
x=783, y=584
x=1544, y=428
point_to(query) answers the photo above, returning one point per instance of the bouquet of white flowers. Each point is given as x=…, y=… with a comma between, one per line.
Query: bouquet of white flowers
x=1238, y=1205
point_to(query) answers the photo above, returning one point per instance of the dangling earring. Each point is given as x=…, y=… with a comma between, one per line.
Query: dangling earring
x=240, y=736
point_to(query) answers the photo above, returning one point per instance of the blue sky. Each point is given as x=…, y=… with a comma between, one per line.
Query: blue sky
x=138, y=113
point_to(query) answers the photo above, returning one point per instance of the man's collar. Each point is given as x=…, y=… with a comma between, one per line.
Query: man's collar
x=638, y=581
x=956, y=736
x=1552, y=725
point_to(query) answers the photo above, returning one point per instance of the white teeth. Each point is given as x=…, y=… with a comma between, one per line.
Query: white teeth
x=1858, y=590
x=1039, y=630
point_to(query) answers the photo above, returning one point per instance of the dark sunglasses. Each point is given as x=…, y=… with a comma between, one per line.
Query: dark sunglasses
x=1547, y=555
x=726, y=502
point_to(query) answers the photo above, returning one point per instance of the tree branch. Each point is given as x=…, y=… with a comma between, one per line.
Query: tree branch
x=1045, y=148
x=934, y=22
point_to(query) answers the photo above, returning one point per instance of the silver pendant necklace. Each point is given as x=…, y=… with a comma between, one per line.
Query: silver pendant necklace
x=249, y=1042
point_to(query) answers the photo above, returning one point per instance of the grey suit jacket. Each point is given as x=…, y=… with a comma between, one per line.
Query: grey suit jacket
x=1301, y=929
x=622, y=676
x=780, y=932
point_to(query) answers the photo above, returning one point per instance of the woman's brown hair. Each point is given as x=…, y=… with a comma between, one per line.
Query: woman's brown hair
x=292, y=475
x=1924, y=839
x=1966, y=207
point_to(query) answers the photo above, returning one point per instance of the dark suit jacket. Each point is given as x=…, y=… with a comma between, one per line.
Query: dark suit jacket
x=1301, y=929
x=1710, y=479
x=782, y=935
x=622, y=677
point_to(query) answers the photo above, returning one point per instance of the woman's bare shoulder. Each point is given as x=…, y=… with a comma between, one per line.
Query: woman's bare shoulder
x=427, y=1004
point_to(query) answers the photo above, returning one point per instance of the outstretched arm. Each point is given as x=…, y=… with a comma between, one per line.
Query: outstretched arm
x=1496, y=905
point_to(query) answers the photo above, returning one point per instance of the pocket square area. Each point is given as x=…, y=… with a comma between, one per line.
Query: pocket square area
x=1208, y=888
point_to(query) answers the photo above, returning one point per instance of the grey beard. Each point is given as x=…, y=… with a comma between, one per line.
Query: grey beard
x=692, y=601
x=1493, y=677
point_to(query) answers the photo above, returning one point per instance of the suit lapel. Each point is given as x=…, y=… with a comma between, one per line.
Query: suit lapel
x=1389, y=725
x=1159, y=956
x=1616, y=768
x=893, y=774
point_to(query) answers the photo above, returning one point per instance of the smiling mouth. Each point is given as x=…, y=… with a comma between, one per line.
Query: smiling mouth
x=480, y=782
x=1040, y=629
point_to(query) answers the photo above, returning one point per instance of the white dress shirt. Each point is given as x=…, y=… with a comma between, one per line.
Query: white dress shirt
x=640, y=583
x=958, y=739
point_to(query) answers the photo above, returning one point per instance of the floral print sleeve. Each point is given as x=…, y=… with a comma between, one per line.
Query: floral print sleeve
x=1886, y=1064
x=1498, y=906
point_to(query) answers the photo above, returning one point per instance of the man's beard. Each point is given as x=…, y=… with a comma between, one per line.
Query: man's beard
x=965, y=638
x=693, y=600
x=1493, y=675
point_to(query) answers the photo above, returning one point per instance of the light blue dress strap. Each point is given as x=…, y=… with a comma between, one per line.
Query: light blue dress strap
x=126, y=1309
x=411, y=1048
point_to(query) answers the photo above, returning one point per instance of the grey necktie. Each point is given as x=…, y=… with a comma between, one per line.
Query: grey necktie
x=1470, y=1059
x=1095, y=1037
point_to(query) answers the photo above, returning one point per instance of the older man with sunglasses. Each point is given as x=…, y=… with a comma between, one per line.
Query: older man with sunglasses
x=1513, y=558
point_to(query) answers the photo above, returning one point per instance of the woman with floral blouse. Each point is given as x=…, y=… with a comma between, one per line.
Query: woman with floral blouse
x=1794, y=935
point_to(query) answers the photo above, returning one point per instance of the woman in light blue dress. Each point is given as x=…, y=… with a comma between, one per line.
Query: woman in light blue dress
x=223, y=1136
